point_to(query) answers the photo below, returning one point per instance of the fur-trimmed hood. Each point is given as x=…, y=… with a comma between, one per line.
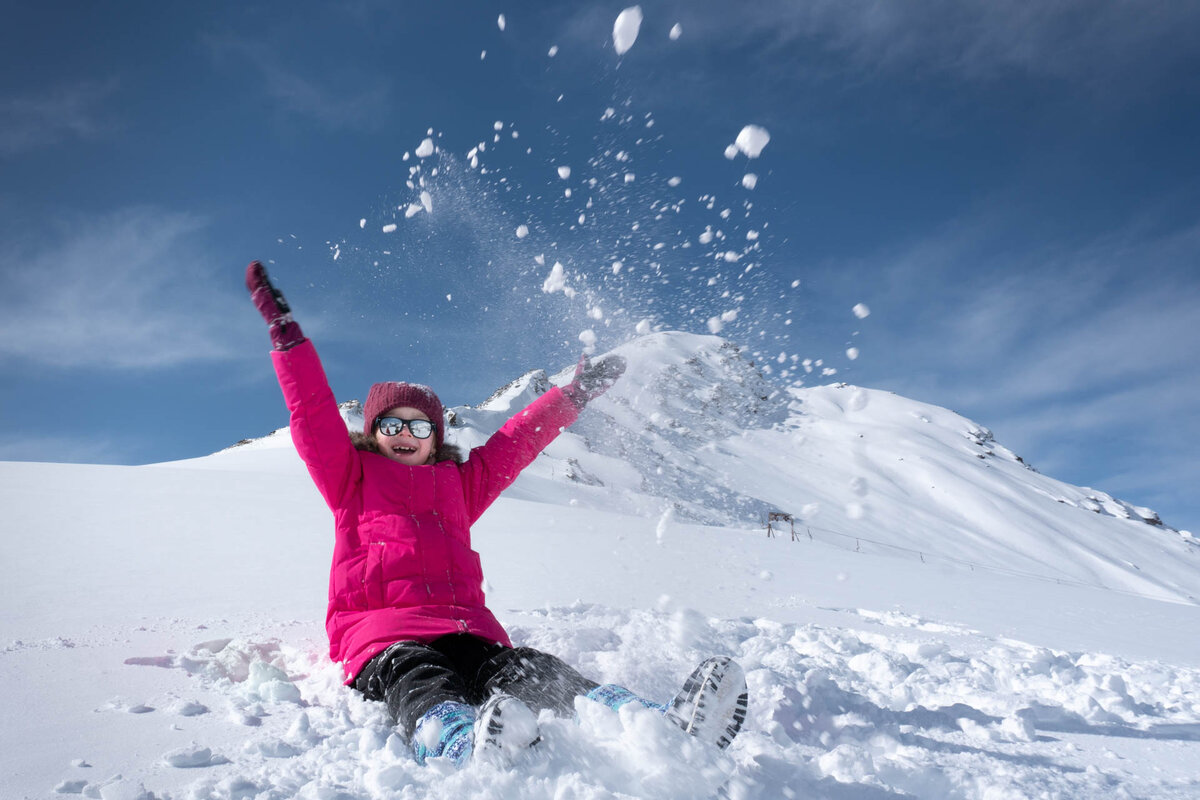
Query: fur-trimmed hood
x=444, y=452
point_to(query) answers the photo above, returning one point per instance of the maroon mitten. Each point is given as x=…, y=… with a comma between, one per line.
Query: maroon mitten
x=592, y=380
x=285, y=332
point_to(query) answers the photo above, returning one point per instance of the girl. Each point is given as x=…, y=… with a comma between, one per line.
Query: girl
x=407, y=618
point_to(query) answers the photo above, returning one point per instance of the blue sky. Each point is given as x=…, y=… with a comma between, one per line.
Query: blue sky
x=1011, y=188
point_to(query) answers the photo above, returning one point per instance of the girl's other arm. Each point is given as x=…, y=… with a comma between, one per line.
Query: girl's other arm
x=493, y=466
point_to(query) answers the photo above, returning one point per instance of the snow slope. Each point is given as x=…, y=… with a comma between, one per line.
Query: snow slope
x=947, y=623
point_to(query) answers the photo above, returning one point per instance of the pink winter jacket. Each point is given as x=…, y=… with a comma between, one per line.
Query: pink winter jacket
x=403, y=567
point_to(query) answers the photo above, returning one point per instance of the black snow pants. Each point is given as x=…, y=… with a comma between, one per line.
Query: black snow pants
x=412, y=677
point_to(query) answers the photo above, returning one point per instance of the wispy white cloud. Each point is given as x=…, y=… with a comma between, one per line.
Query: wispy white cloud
x=1097, y=317
x=125, y=290
x=31, y=120
x=1083, y=360
x=341, y=101
x=1098, y=42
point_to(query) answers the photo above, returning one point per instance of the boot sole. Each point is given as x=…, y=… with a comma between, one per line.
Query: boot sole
x=494, y=737
x=713, y=702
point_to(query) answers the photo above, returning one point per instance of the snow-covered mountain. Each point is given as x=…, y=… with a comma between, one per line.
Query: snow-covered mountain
x=696, y=430
x=947, y=622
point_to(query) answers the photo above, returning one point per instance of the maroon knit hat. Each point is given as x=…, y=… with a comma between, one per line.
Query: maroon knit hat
x=386, y=396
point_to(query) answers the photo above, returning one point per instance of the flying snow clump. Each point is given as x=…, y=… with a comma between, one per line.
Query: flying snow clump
x=625, y=29
x=588, y=339
x=522, y=231
x=564, y=172
x=716, y=324
x=752, y=140
x=501, y=22
x=749, y=180
x=676, y=31
x=556, y=281
x=861, y=311
x=426, y=149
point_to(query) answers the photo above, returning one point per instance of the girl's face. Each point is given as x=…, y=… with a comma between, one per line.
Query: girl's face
x=404, y=447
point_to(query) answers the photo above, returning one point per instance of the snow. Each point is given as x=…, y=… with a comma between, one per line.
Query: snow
x=556, y=281
x=946, y=622
x=625, y=29
x=676, y=31
x=937, y=619
x=751, y=140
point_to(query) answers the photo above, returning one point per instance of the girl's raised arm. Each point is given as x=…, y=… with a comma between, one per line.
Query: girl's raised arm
x=318, y=430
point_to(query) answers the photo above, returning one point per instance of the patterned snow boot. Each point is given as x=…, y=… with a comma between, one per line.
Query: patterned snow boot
x=445, y=731
x=614, y=696
x=711, y=705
